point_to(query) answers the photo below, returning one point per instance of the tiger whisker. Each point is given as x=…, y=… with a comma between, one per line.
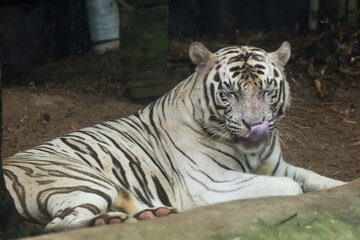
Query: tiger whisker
x=296, y=131
x=277, y=134
x=216, y=132
x=291, y=136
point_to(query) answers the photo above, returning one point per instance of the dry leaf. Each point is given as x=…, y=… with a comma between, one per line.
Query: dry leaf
x=349, y=121
x=355, y=143
x=319, y=87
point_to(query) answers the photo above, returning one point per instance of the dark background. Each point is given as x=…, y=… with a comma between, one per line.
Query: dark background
x=38, y=30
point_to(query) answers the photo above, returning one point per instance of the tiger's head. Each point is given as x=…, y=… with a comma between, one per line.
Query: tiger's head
x=245, y=91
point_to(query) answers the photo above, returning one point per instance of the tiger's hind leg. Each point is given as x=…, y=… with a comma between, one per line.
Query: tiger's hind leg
x=109, y=206
x=82, y=217
x=95, y=211
x=67, y=197
x=118, y=217
x=139, y=210
x=79, y=209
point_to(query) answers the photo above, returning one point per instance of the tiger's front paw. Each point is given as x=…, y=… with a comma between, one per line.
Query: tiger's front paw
x=154, y=213
x=111, y=218
x=333, y=183
x=324, y=184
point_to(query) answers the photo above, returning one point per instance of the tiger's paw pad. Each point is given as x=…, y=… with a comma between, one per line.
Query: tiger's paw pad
x=102, y=221
x=111, y=218
x=155, y=213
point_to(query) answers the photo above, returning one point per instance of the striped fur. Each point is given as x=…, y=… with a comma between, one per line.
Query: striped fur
x=189, y=148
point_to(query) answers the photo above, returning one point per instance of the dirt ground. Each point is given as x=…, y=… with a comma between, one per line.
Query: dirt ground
x=319, y=133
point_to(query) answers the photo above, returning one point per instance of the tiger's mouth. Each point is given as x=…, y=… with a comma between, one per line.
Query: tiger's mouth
x=258, y=132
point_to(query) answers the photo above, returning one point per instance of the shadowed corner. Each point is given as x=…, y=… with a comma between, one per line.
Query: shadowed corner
x=10, y=223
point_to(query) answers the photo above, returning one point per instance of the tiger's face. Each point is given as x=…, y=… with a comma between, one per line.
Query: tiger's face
x=246, y=90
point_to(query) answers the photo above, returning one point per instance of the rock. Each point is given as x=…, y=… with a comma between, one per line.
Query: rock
x=326, y=214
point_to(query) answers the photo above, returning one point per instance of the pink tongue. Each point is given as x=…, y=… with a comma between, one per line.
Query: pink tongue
x=259, y=132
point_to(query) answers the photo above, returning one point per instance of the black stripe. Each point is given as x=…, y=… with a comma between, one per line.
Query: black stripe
x=193, y=79
x=73, y=136
x=46, y=150
x=227, y=49
x=90, y=134
x=212, y=91
x=135, y=166
x=134, y=125
x=141, y=178
x=163, y=106
x=257, y=57
x=205, y=90
x=43, y=205
x=235, y=74
x=154, y=161
x=92, y=208
x=123, y=181
x=217, y=77
x=233, y=69
x=255, y=49
x=66, y=212
x=147, y=129
x=219, y=164
x=123, y=134
x=230, y=52
x=270, y=150
x=228, y=155
x=90, y=151
x=212, y=189
x=176, y=92
x=142, y=198
x=154, y=126
x=276, y=73
x=90, y=177
x=260, y=72
x=276, y=166
x=20, y=195
x=247, y=162
x=182, y=152
x=84, y=159
x=259, y=66
x=161, y=192
x=211, y=178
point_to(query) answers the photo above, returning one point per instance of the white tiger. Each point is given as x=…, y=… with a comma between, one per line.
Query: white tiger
x=211, y=139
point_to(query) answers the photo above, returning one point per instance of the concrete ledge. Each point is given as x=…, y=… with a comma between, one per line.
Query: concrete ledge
x=326, y=214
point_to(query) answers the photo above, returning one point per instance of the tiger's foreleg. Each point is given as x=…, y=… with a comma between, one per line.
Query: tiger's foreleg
x=243, y=186
x=308, y=180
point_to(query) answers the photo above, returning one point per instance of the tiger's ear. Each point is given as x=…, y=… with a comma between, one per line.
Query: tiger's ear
x=199, y=55
x=283, y=53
